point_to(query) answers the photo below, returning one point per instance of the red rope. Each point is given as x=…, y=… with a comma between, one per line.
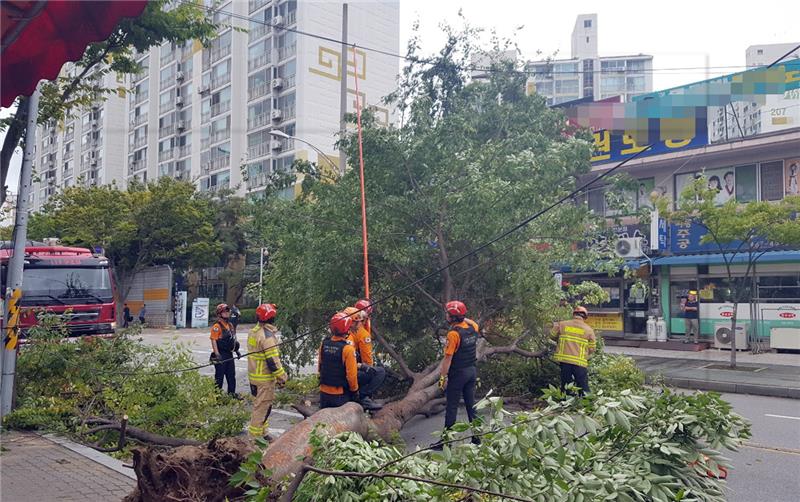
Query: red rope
x=361, y=170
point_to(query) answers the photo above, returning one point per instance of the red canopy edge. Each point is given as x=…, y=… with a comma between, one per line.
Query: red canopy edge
x=37, y=44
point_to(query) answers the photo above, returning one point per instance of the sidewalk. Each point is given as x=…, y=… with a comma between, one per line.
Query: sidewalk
x=776, y=375
x=44, y=469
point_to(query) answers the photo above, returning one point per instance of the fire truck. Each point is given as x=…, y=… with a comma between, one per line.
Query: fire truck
x=72, y=283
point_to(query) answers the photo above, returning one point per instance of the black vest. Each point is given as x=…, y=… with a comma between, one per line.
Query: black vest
x=227, y=341
x=466, y=355
x=331, y=367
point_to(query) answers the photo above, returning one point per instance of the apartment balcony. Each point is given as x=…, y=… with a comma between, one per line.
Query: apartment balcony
x=258, y=91
x=217, y=53
x=218, y=136
x=258, y=62
x=139, y=120
x=166, y=155
x=216, y=164
x=69, y=136
x=68, y=154
x=288, y=82
x=220, y=81
x=167, y=59
x=67, y=173
x=287, y=52
x=184, y=151
x=220, y=108
x=141, y=97
x=165, y=107
x=258, y=32
x=137, y=165
x=260, y=150
x=291, y=18
x=258, y=121
x=139, y=142
x=287, y=144
x=257, y=181
x=288, y=113
x=257, y=4
x=166, y=131
x=91, y=164
x=167, y=82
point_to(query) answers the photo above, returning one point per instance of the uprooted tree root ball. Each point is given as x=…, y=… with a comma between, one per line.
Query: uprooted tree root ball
x=189, y=472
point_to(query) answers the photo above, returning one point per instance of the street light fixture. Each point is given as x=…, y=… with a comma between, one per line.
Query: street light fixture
x=280, y=134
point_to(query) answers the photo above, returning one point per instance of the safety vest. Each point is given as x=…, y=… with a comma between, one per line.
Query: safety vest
x=331, y=366
x=466, y=354
x=573, y=346
x=257, y=366
x=227, y=341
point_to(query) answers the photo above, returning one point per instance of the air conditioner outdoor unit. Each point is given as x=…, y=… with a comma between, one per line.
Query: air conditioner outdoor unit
x=276, y=114
x=277, y=21
x=179, y=75
x=181, y=124
x=784, y=338
x=179, y=101
x=277, y=83
x=275, y=144
x=93, y=163
x=723, y=336
x=202, y=89
x=629, y=247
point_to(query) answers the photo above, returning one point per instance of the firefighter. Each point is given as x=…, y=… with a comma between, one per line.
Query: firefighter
x=223, y=344
x=458, y=372
x=370, y=376
x=576, y=342
x=338, y=368
x=263, y=367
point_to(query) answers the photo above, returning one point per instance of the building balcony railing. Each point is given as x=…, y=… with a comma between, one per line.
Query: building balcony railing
x=166, y=155
x=141, y=97
x=166, y=131
x=139, y=142
x=167, y=82
x=288, y=82
x=167, y=58
x=69, y=135
x=259, y=150
x=287, y=144
x=258, y=91
x=218, y=136
x=220, y=81
x=184, y=151
x=257, y=181
x=91, y=164
x=68, y=154
x=216, y=164
x=219, y=108
x=258, y=32
x=288, y=112
x=67, y=173
x=165, y=107
x=291, y=18
x=257, y=62
x=287, y=52
x=139, y=120
x=217, y=53
x=257, y=4
x=137, y=165
x=258, y=121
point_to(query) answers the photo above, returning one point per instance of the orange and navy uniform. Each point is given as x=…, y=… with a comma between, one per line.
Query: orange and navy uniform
x=454, y=339
x=350, y=367
x=362, y=340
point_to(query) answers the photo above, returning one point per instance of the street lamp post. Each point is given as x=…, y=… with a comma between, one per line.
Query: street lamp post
x=283, y=135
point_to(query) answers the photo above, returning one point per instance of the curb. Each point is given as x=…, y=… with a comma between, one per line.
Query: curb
x=733, y=388
x=94, y=455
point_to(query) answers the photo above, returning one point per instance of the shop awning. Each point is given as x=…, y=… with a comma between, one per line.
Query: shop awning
x=38, y=37
x=717, y=258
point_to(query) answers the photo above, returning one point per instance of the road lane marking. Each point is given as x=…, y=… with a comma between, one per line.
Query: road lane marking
x=781, y=416
x=771, y=448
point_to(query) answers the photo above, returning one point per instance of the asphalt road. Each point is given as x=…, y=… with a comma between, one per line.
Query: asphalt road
x=767, y=469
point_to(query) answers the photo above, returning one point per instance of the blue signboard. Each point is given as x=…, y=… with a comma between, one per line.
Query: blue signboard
x=662, y=234
x=614, y=147
x=685, y=238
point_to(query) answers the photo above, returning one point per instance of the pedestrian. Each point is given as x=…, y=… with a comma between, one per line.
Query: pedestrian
x=337, y=366
x=235, y=315
x=126, y=315
x=576, y=342
x=142, y=314
x=691, y=318
x=223, y=344
x=458, y=373
x=264, y=367
x=370, y=376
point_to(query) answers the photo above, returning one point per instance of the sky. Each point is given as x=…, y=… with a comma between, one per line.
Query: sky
x=678, y=34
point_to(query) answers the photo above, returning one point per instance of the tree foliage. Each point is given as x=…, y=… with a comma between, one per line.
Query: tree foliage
x=162, y=21
x=468, y=161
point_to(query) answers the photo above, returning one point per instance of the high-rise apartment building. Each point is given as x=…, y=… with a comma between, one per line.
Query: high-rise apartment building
x=586, y=74
x=742, y=119
x=205, y=114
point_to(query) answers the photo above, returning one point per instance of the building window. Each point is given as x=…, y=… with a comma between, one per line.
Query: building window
x=760, y=52
x=587, y=23
x=635, y=84
x=772, y=180
x=779, y=289
x=745, y=179
x=587, y=40
x=634, y=65
x=566, y=86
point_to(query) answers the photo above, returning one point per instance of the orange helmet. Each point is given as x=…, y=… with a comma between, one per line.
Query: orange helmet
x=340, y=323
x=581, y=311
x=354, y=313
x=456, y=308
x=265, y=312
x=222, y=307
x=365, y=306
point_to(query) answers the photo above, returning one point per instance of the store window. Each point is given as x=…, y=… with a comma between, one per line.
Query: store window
x=779, y=289
x=678, y=291
x=772, y=180
x=746, y=183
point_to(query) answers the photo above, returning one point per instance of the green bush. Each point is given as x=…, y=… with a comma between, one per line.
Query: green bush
x=614, y=372
x=63, y=382
x=247, y=316
x=515, y=375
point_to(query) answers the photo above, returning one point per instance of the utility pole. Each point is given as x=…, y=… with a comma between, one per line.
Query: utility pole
x=261, y=273
x=16, y=263
x=343, y=90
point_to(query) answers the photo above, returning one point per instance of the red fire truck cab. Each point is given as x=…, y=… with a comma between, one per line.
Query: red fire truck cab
x=72, y=283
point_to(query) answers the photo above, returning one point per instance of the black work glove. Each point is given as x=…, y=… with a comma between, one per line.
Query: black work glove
x=213, y=358
x=238, y=355
x=355, y=397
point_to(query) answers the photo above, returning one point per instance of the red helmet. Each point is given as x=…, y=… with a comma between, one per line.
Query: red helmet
x=340, y=323
x=456, y=308
x=222, y=307
x=365, y=306
x=266, y=312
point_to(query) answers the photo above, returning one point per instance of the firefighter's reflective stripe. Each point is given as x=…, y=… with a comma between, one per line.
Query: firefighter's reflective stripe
x=573, y=346
x=258, y=369
x=258, y=431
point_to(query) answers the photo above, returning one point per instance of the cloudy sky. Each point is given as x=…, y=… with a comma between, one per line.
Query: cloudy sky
x=678, y=34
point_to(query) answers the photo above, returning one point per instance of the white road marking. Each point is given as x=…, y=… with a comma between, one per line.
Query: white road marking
x=781, y=416
x=276, y=431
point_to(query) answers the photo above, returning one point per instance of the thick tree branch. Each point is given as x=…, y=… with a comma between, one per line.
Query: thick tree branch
x=142, y=435
x=404, y=369
x=14, y=133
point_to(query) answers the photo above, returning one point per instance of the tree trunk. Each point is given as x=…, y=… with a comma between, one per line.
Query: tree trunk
x=159, y=479
x=14, y=134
